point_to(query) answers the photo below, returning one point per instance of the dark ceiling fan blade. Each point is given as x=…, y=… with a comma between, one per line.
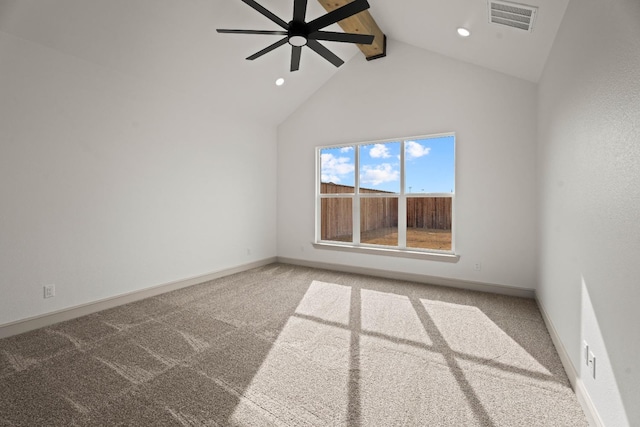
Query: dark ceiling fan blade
x=339, y=14
x=342, y=37
x=299, y=10
x=296, y=51
x=267, y=13
x=268, y=49
x=324, y=52
x=279, y=33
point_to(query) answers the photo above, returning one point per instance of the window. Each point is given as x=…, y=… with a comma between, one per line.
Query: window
x=396, y=194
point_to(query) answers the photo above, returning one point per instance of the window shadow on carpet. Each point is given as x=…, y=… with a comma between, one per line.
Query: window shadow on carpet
x=285, y=345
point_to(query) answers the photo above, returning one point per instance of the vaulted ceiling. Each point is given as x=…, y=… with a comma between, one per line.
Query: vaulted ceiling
x=173, y=44
x=431, y=25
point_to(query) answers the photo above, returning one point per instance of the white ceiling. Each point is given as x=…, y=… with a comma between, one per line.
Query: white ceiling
x=432, y=24
x=173, y=44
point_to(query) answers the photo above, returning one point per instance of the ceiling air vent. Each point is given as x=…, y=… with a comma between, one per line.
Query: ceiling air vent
x=512, y=15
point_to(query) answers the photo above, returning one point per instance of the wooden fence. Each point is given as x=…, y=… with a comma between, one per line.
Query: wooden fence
x=336, y=219
x=429, y=212
x=379, y=212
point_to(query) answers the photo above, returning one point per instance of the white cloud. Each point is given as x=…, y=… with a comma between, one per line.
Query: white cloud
x=379, y=151
x=374, y=175
x=335, y=168
x=346, y=149
x=415, y=150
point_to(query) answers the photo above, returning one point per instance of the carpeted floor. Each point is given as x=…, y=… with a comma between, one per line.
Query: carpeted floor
x=292, y=346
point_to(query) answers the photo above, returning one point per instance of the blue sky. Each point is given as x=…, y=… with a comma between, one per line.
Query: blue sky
x=429, y=165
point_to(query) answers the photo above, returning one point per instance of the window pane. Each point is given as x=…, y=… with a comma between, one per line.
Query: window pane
x=379, y=221
x=429, y=222
x=337, y=219
x=380, y=168
x=337, y=170
x=429, y=165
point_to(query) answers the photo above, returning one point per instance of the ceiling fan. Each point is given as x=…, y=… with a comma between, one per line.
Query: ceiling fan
x=299, y=33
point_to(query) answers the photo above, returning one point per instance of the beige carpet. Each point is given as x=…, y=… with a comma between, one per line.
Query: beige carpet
x=292, y=346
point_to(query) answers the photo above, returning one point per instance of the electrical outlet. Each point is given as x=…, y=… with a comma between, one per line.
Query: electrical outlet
x=585, y=352
x=49, y=291
x=477, y=266
x=248, y=251
x=592, y=364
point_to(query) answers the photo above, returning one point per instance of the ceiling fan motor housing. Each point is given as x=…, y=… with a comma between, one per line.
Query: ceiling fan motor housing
x=297, y=33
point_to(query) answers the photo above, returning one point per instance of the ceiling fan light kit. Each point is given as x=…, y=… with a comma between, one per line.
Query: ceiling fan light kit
x=299, y=33
x=297, y=41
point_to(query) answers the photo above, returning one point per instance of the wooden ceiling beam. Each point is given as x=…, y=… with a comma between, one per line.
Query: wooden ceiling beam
x=361, y=23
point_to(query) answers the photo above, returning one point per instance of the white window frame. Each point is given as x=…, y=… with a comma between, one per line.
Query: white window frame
x=401, y=250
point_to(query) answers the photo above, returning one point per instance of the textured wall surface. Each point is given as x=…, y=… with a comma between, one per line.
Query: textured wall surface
x=589, y=192
x=414, y=92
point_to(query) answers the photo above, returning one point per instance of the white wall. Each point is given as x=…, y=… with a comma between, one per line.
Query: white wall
x=414, y=92
x=111, y=184
x=589, y=192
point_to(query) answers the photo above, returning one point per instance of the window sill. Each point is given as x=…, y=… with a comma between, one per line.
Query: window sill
x=402, y=253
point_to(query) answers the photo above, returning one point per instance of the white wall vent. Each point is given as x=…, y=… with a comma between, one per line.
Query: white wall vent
x=513, y=15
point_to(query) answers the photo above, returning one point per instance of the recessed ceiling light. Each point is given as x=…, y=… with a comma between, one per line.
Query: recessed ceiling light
x=280, y=82
x=463, y=32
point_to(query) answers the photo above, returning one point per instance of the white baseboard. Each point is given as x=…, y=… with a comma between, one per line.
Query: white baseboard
x=413, y=277
x=31, y=323
x=584, y=399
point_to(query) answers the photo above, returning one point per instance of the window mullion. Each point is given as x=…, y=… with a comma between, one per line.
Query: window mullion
x=318, y=230
x=402, y=202
x=402, y=222
x=356, y=199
